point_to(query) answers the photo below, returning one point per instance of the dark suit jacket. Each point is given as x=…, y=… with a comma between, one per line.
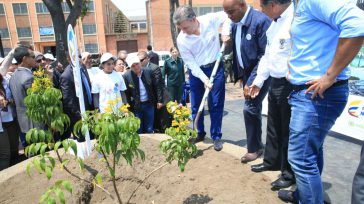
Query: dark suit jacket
x=157, y=74
x=133, y=92
x=20, y=81
x=153, y=58
x=71, y=104
x=253, y=42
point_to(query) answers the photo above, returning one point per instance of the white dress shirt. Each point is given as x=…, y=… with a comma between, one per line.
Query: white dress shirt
x=198, y=50
x=275, y=60
x=238, y=37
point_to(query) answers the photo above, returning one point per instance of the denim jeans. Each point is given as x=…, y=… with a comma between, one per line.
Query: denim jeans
x=215, y=101
x=146, y=116
x=311, y=119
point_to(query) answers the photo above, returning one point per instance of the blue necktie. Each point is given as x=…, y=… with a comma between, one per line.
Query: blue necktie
x=87, y=86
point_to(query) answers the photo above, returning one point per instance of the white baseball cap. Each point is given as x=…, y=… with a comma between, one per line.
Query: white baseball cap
x=49, y=56
x=132, y=60
x=107, y=56
x=14, y=61
x=84, y=55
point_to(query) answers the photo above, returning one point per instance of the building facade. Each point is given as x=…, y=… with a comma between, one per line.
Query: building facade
x=158, y=15
x=29, y=20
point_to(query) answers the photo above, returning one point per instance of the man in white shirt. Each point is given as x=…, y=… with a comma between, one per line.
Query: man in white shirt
x=108, y=85
x=274, y=64
x=199, y=45
x=87, y=62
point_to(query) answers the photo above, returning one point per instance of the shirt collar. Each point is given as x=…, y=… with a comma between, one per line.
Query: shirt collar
x=243, y=20
x=286, y=13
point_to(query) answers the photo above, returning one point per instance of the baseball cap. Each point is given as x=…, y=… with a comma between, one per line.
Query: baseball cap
x=84, y=55
x=49, y=56
x=106, y=56
x=132, y=60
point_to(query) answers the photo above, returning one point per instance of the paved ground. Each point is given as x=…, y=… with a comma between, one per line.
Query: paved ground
x=341, y=153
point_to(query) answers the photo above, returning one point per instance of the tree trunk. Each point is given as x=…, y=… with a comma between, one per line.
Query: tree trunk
x=61, y=25
x=190, y=3
x=172, y=6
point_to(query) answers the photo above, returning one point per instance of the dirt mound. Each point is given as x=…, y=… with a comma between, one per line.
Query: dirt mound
x=213, y=177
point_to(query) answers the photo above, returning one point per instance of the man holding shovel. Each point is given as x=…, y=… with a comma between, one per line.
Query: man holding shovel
x=199, y=47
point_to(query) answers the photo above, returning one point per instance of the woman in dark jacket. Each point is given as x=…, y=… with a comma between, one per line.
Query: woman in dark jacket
x=174, y=69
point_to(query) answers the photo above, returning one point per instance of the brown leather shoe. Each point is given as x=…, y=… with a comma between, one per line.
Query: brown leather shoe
x=248, y=157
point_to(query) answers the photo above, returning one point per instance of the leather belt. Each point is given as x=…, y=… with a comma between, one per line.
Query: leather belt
x=209, y=65
x=304, y=86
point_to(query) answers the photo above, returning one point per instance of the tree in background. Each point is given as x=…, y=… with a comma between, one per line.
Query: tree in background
x=77, y=8
x=120, y=23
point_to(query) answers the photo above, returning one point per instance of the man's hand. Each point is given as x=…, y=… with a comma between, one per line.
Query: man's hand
x=208, y=84
x=225, y=38
x=159, y=105
x=246, y=92
x=254, y=91
x=319, y=86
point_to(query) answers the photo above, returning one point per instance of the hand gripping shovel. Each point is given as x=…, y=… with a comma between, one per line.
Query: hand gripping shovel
x=207, y=90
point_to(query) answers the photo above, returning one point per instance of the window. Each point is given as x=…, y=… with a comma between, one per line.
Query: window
x=41, y=8
x=217, y=9
x=89, y=29
x=24, y=32
x=2, y=11
x=6, y=51
x=65, y=7
x=46, y=31
x=90, y=6
x=91, y=48
x=143, y=26
x=20, y=8
x=134, y=26
x=204, y=10
x=4, y=32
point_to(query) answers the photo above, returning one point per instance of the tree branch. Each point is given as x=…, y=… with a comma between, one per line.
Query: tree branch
x=75, y=13
x=69, y=4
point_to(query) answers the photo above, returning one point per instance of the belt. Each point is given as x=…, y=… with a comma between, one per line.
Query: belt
x=145, y=102
x=304, y=86
x=280, y=79
x=209, y=65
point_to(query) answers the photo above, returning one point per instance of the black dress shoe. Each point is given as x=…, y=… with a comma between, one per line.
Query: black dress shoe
x=287, y=196
x=260, y=168
x=198, y=139
x=282, y=183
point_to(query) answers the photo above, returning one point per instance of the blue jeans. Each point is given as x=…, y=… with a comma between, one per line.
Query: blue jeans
x=146, y=116
x=215, y=99
x=311, y=119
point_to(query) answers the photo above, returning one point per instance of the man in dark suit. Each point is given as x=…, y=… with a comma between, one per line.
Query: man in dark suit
x=157, y=74
x=142, y=94
x=249, y=41
x=154, y=58
x=71, y=105
x=20, y=81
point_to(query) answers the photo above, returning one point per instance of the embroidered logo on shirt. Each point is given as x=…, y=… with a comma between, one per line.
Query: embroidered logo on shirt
x=281, y=43
x=116, y=88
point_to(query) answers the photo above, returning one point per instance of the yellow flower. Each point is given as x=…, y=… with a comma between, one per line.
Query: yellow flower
x=174, y=123
x=108, y=109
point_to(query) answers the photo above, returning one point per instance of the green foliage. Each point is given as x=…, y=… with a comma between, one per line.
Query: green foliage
x=56, y=192
x=179, y=147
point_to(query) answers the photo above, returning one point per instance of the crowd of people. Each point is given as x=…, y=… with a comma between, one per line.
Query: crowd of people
x=296, y=52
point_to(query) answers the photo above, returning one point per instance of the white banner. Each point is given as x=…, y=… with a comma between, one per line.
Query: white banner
x=73, y=52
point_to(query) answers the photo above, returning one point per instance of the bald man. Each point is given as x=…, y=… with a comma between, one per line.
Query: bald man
x=249, y=41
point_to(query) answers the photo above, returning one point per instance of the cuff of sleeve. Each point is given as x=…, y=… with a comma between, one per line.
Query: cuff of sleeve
x=258, y=82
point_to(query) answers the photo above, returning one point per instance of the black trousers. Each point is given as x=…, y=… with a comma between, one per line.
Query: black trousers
x=357, y=195
x=279, y=114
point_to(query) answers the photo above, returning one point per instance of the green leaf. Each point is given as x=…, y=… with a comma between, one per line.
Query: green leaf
x=56, y=146
x=35, y=136
x=41, y=136
x=98, y=179
x=73, y=146
x=28, y=136
x=64, y=163
x=60, y=195
x=43, y=148
x=43, y=198
x=80, y=163
x=112, y=172
x=141, y=154
x=67, y=185
x=52, y=161
x=48, y=172
x=65, y=145
x=28, y=169
x=51, y=200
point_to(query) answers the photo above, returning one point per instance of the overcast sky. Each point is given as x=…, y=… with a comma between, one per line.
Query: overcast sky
x=131, y=7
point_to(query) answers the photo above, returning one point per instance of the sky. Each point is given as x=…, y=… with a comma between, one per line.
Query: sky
x=131, y=7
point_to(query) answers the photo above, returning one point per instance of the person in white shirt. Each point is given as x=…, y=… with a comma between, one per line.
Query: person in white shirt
x=199, y=45
x=87, y=62
x=108, y=85
x=274, y=64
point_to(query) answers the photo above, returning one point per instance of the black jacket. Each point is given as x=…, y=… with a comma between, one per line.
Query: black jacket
x=153, y=57
x=133, y=92
x=71, y=105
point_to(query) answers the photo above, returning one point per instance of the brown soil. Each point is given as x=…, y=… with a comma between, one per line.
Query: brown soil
x=233, y=92
x=213, y=177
